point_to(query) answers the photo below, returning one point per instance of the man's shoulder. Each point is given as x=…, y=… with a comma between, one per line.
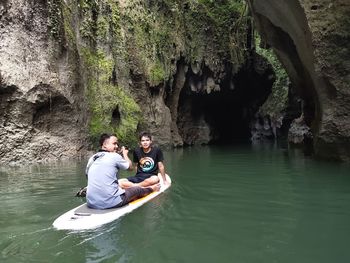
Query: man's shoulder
x=97, y=155
x=103, y=153
x=106, y=154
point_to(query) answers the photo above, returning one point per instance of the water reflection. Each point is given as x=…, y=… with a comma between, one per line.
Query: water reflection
x=104, y=244
x=226, y=204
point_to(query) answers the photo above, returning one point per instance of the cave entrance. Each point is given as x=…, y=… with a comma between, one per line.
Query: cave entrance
x=222, y=116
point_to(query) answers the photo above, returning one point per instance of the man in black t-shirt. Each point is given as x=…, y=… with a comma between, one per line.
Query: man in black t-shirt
x=149, y=161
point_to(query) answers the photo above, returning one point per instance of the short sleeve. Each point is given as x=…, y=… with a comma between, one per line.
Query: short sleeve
x=122, y=164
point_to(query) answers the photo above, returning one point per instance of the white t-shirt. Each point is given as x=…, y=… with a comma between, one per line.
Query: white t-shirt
x=103, y=190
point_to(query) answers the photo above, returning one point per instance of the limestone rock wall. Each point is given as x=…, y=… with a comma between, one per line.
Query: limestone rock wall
x=40, y=95
x=70, y=70
x=312, y=40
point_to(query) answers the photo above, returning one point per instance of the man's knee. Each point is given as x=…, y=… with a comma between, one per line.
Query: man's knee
x=154, y=178
x=124, y=183
x=151, y=180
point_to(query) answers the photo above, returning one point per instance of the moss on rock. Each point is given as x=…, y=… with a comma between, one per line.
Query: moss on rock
x=112, y=109
x=146, y=38
x=277, y=102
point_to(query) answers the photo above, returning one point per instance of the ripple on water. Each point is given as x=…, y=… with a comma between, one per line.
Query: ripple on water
x=231, y=205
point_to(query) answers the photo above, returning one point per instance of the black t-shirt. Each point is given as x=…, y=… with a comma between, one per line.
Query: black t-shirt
x=147, y=163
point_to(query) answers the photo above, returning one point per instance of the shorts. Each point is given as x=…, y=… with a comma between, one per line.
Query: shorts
x=133, y=193
x=138, y=178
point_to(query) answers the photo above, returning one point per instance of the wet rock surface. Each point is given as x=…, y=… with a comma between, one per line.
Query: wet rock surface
x=312, y=41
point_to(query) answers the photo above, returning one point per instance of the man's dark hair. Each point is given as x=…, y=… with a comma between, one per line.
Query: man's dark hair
x=145, y=134
x=105, y=136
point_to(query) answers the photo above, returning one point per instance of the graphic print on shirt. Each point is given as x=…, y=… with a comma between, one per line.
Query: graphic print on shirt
x=146, y=164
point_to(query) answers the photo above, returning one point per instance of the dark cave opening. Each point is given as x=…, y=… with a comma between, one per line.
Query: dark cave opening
x=226, y=116
x=116, y=117
x=227, y=112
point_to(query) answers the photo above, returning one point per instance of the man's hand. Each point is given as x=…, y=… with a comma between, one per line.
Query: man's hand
x=124, y=151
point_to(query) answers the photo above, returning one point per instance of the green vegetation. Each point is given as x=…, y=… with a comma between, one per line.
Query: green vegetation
x=61, y=26
x=278, y=99
x=224, y=22
x=69, y=34
x=55, y=18
x=152, y=42
x=89, y=25
x=146, y=37
x=112, y=109
x=223, y=16
x=107, y=100
x=156, y=74
x=197, y=30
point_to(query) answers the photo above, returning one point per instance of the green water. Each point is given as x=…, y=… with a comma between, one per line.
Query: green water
x=233, y=204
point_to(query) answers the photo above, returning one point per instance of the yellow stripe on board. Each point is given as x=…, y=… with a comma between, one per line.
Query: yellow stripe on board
x=140, y=199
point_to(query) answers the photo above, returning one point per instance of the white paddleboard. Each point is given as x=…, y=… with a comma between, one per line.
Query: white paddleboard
x=83, y=217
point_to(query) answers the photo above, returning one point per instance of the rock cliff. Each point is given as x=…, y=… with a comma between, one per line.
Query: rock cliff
x=70, y=70
x=312, y=38
x=184, y=70
x=41, y=96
